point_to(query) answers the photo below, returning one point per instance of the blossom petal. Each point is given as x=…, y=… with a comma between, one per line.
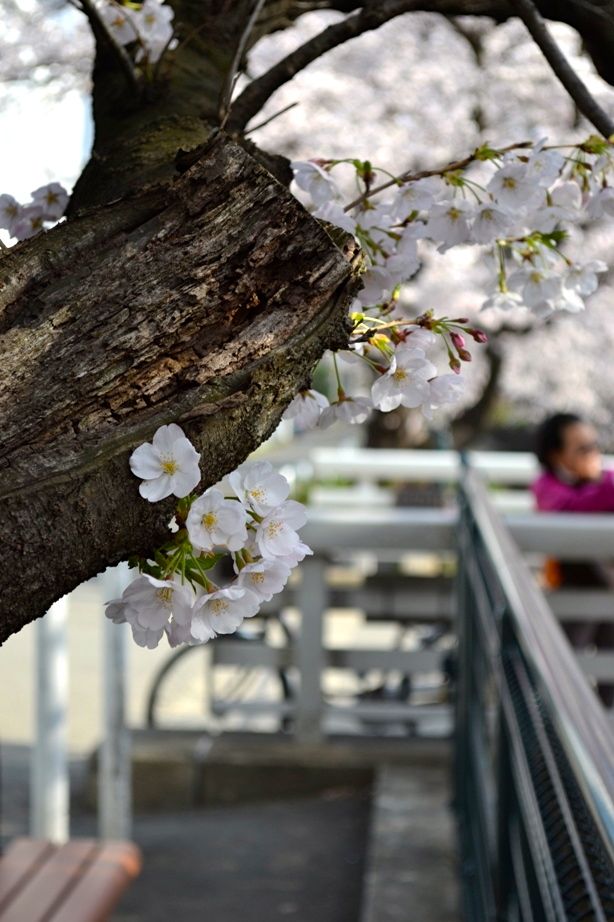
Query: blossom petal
x=155, y=490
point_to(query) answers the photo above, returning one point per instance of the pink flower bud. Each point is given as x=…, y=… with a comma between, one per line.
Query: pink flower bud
x=478, y=335
x=455, y=365
x=458, y=340
x=464, y=355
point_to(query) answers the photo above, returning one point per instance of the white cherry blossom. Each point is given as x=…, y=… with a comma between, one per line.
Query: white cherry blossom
x=544, y=166
x=305, y=408
x=601, y=203
x=276, y=535
x=503, y=300
x=535, y=285
x=180, y=634
x=333, y=213
x=448, y=222
x=513, y=186
x=154, y=25
x=378, y=286
x=312, y=179
x=52, y=199
x=352, y=410
x=29, y=222
x=259, y=486
x=265, y=578
x=416, y=196
x=406, y=381
x=489, y=223
x=222, y=612
x=168, y=465
x=214, y=521
x=150, y=602
x=146, y=637
x=10, y=212
x=299, y=553
x=444, y=390
x=583, y=278
x=120, y=22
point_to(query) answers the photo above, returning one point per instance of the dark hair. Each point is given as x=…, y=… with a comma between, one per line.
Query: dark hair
x=550, y=436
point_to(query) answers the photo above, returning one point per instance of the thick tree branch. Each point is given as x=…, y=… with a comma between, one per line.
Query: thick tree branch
x=206, y=302
x=579, y=92
x=254, y=96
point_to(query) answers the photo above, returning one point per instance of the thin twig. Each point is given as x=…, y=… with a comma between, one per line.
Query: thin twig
x=233, y=72
x=411, y=176
x=254, y=96
x=123, y=58
x=272, y=118
x=562, y=69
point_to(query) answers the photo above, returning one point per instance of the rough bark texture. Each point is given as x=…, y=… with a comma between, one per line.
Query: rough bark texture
x=203, y=296
x=207, y=302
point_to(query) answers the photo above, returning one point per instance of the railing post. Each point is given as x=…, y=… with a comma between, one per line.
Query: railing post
x=49, y=772
x=114, y=770
x=312, y=601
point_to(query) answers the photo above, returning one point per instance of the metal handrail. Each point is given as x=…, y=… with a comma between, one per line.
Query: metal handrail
x=581, y=722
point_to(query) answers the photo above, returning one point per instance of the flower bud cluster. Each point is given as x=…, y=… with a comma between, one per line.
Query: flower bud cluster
x=255, y=528
x=46, y=206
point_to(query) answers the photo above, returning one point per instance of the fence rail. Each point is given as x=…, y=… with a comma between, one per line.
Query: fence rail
x=534, y=751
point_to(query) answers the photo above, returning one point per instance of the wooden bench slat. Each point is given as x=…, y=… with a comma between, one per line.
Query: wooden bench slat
x=58, y=873
x=97, y=891
x=18, y=863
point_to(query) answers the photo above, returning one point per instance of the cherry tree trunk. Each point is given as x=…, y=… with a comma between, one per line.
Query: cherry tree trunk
x=202, y=295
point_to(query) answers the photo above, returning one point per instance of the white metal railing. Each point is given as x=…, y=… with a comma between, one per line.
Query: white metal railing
x=49, y=770
x=369, y=464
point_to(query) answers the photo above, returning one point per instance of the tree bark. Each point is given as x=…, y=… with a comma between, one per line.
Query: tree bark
x=204, y=298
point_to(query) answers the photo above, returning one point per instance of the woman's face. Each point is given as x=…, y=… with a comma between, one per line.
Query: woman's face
x=580, y=455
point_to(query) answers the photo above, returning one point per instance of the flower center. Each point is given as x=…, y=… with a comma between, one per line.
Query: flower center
x=274, y=528
x=165, y=596
x=536, y=277
x=257, y=577
x=219, y=606
x=400, y=374
x=454, y=214
x=487, y=215
x=509, y=182
x=169, y=465
x=209, y=520
x=257, y=493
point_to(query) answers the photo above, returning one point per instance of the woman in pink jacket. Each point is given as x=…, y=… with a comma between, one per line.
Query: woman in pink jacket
x=573, y=481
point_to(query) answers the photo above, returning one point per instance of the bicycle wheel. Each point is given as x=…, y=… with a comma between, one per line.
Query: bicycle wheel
x=202, y=688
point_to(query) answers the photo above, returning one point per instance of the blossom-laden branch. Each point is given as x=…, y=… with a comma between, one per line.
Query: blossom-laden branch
x=520, y=202
x=254, y=96
x=562, y=69
x=255, y=529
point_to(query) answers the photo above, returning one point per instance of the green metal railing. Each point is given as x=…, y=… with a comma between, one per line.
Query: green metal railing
x=534, y=772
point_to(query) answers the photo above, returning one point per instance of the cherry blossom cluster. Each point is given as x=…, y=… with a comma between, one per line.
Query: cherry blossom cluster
x=46, y=206
x=255, y=528
x=145, y=27
x=521, y=203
